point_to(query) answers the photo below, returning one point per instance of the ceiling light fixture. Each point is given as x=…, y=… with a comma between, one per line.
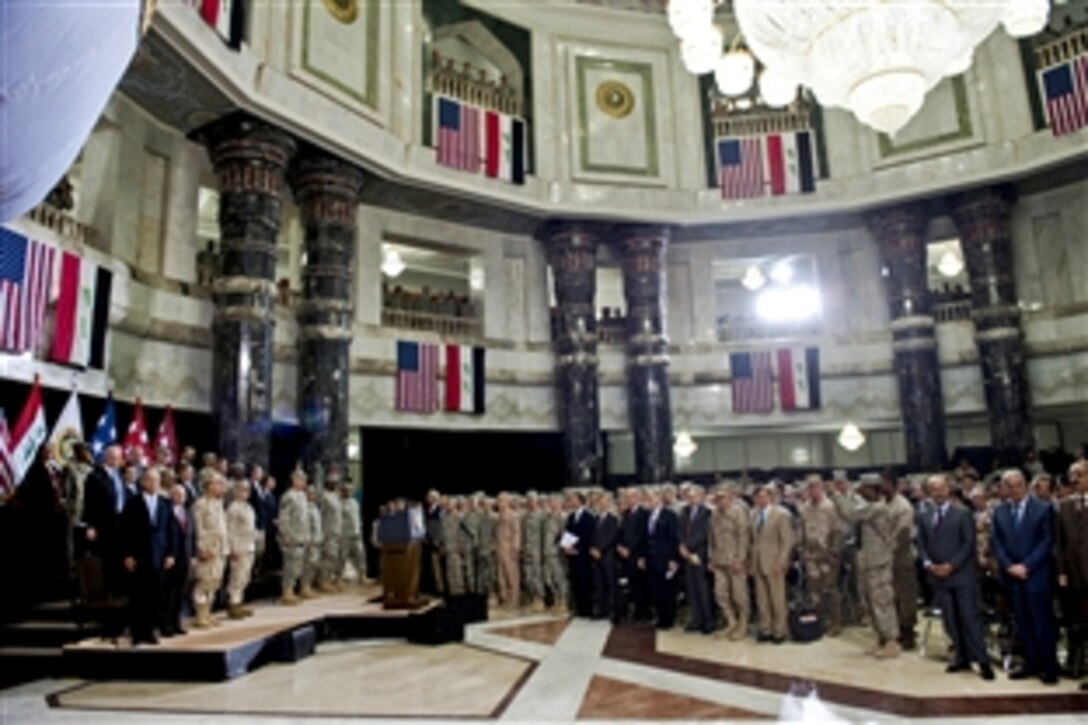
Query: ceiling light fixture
x=685, y=446
x=950, y=264
x=753, y=278
x=851, y=438
x=392, y=264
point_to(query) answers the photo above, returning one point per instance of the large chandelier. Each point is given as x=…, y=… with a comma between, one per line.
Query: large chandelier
x=875, y=58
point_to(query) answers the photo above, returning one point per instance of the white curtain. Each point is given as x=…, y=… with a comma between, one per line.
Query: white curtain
x=59, y=62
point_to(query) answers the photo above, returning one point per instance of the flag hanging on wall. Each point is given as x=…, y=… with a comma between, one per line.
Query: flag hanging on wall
x=465, y=379
x=1065, y=95
x=28, y=434
x=76, y=324
x=100, y=317
x=26, y=274
x=105, y=431
x=799, y=378
x=227, y=17
x=7, y=466
x=752, y=382
x=417, y=377
x=136, y=436
x=166, y=437
x=472, y=139
x=767, y=164
x=68, y=428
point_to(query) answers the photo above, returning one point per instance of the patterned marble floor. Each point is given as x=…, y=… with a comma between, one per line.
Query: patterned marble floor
x=524, y=669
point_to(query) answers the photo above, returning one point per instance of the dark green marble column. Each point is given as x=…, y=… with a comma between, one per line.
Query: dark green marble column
x=572, y=254
x=250, y=159
x=901, y=234
x=642, y=249
x=327, y=192
x=982, y=218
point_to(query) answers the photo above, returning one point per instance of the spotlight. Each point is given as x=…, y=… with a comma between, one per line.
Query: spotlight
x=788, y=304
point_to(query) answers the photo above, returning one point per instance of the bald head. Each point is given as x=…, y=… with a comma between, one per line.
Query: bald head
x=1016, y=486
x=938, y=487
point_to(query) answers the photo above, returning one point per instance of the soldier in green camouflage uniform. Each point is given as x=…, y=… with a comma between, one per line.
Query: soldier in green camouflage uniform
x=532, y=553
x=555, y=575
x=904, y=570
x=455, y=564
x=469, y=534
x=870, y=511
x=293, y=528
x=332, y=526
x=311, y=567
x=822, y=545
x=489, y=582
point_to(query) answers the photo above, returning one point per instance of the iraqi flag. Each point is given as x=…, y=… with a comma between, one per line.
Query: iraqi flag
x=166, y=438
x=227, y=17
x=76, y=323
x=504, y=147
x=28, y=434
x=789, y=163
x=136, y=436
x=799, y=378
x=68, y=428
x=464, y=379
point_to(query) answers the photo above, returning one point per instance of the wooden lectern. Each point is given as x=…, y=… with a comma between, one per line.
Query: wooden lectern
x=400, y=562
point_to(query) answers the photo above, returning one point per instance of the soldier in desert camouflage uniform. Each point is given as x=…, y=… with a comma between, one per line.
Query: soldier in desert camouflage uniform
x=311, y=568
x=730, y=548
x=451, y=535
x=532, y=554
x=820, y=554
x=555, y=574
x=210, y=522
x=469, y=535
x=293, y=527
x=332, y=523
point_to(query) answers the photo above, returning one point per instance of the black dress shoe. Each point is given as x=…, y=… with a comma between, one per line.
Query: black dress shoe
x=764, y=637
x=987, y=673
x=1049, y=679
x=1021, y=674
x=1084, y=687
x=957, y=667
x=778, y=640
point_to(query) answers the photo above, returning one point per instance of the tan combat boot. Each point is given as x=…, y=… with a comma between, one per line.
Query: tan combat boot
x=201, y=619
x=288, y=597
x=740, y=631
x=537, y=606
x=890, y=650
x=235, y=612
x=307, y=592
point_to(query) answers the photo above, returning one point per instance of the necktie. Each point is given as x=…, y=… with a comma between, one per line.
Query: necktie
x=1019, y=513
x=653, y=522
x=940, y=517
x=762, y=518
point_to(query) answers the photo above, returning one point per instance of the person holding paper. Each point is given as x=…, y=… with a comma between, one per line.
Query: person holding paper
x=580, y=525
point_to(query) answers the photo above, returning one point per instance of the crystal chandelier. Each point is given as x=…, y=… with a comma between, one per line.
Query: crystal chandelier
x=875, y=58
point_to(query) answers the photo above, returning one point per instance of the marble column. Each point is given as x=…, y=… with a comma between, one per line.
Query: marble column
x=572, y=254
x=901, y=235
x=642, y=249
x=982, y=219
x=250, y=159
x=326, y=190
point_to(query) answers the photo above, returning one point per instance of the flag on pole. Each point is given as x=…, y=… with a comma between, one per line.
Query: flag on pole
x=26, y=274
x=740, y=167
x=76, y=325
x=68, y=428
x=136, y=436
x=166, y=438
x=752, y=382
x=1065, y=91
x=105, y=431
x=7, y=466
x=799, y=378
x=28, y=434
x=788, y=163
x=417, y=377
x=465, y=379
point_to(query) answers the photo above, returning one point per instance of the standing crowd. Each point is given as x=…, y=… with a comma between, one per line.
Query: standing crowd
x=1003, y=564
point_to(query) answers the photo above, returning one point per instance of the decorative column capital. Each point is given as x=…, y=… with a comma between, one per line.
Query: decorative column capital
x=248, y=154
x=983, y=214
x=900, y=225
x=325, y=187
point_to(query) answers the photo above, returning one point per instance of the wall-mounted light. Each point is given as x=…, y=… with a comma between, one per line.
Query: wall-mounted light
x=392, y=264
x=476, y=278
x=685, y=446
x=851, y=438
x=753, y=278
x=950, y=264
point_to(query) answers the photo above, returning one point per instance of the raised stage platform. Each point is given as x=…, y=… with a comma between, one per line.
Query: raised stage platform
x=275, y=633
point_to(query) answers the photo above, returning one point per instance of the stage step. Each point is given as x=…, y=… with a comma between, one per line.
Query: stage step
x=26, y=664
x=45, y=633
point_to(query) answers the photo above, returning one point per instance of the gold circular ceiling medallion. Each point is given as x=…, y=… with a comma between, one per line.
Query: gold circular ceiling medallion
x=615, y=99
x=346, y=11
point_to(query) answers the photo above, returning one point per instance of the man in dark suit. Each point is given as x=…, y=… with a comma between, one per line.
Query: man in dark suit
x=606, y=531
x=694, y=538
x=186, y=478
x=176, y=579
x=946, y=545
x=432, y=579
x=1072, y=558
x=661, y=562
x=104, y=500
x=581, y=524
x=264, y=506
x=629, y=549
x=148, y=536
x=1022, y=542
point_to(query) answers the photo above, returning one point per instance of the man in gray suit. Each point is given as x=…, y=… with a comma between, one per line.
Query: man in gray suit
x=946, y=545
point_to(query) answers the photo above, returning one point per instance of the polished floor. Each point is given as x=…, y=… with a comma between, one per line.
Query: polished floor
x=542, y=668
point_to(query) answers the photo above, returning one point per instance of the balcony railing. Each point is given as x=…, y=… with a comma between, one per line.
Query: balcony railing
x=61, y=223
x=952, y=311
x=446, y=325
x=742, y=330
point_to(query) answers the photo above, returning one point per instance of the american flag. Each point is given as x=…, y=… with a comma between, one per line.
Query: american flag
x=1065, y=88
x=417, y=377
x=459, y=127
x=740, y=167
x=753, y=390
x=7, y=468
x=26, y=273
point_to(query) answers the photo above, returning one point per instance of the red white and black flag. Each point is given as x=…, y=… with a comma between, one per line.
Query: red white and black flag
x=227, y=17
x=464, y=379
x=799, y=378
